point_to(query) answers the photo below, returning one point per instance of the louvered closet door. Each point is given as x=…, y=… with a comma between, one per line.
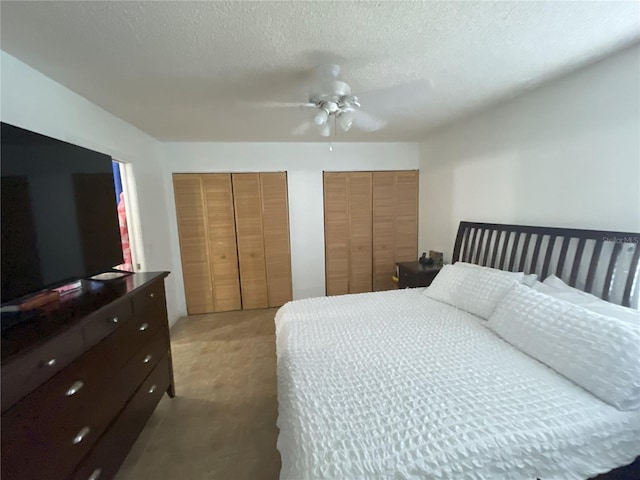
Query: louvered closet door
x=250, y=240
x=384, y=230
x=395, y=223
x=221, y=233
x=336, y=233
x=360, y=232
x=406, y=214
x=275, y=224
x=193, y=243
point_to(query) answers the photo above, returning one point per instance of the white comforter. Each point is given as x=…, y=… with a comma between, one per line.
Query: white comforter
x=394, y=385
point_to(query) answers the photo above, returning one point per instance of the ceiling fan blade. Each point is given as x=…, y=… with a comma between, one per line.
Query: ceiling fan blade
x=303, y=128
x=395, y=100
x=367, y=122
x=279, y=104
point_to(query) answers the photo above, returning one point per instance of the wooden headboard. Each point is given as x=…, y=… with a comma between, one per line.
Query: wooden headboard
x=596, y=261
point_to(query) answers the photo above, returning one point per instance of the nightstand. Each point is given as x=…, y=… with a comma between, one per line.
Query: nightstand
x=412, y=274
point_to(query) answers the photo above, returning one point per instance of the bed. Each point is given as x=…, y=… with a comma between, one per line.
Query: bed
x=399, y=385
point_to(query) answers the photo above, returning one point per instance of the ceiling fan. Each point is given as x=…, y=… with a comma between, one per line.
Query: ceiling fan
x=336, y=107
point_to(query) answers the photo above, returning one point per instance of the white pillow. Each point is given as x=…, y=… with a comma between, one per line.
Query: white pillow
x=555, y=287
x=599, y=353
x=475, y=290
x=528, y=279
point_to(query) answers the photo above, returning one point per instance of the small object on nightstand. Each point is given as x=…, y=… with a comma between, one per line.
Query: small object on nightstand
x=413, y=274
x=437, y=257
x=424, y=261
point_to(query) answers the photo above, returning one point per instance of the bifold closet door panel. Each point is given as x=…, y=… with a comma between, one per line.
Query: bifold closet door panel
x=336, y=233
x=221, y=232
x=406, y=214
x=275, y=224
x=250, y=240
x=360, y=232
x=192, y=233
x=384, y=230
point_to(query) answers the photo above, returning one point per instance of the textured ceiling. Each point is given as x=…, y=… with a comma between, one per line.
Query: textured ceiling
x=185, y=70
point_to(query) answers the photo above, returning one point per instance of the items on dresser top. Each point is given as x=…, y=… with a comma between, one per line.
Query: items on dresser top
x=81, y=377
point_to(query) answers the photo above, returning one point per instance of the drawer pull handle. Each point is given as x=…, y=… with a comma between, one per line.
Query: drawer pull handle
x=152, y=389
x=80, y=435
x=114, y=320
x=75, y=388
x=95, y=475
x=49, y=363
x=147, y=359
x=152, y=295
x=143, y=327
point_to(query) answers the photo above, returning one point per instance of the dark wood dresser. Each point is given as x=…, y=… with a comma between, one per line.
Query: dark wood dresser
x=81, y=377
x=412, y=274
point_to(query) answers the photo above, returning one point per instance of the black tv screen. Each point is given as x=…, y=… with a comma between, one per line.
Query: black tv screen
x=59, y=213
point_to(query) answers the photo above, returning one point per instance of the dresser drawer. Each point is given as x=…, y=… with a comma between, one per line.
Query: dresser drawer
x=142, y=363
x=129, y=339
x=65, y=394
x=48, y=432
x=51, y=431
x=105, y=459
x=25, y=374
x=106, y=321
x=148, y=297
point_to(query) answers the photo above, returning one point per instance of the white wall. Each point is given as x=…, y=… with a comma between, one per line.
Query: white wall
x=304, y=163
x=565, y=154
x=35, y=102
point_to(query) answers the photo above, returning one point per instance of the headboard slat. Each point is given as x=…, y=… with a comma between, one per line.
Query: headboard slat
x=563, y=254
x=466, y=244
x=514, y=250
x=487, y=247
x=577, y=260
x=536, y=252
x=631, y=276
x=458, y=243
x=525, y=249
x=469, y=256
x=604, y=263
x=494, y=255
x=595, y=256
x=610, y=269
x=547, y=257
x=477, y=257
x=503, y=253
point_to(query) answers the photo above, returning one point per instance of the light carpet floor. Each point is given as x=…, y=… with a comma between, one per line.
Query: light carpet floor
x=222, y=423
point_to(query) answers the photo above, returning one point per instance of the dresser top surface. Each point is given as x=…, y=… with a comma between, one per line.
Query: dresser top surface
x=31, y=329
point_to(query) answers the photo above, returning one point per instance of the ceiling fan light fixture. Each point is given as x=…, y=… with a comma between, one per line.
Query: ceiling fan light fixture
x=321, y=118
x=325, y=131
x=331, y=107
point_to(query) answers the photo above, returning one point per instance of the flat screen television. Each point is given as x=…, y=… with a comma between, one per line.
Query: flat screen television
x=59, y=213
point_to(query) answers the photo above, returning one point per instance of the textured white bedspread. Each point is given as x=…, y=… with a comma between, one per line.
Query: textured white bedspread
x=393, y=385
